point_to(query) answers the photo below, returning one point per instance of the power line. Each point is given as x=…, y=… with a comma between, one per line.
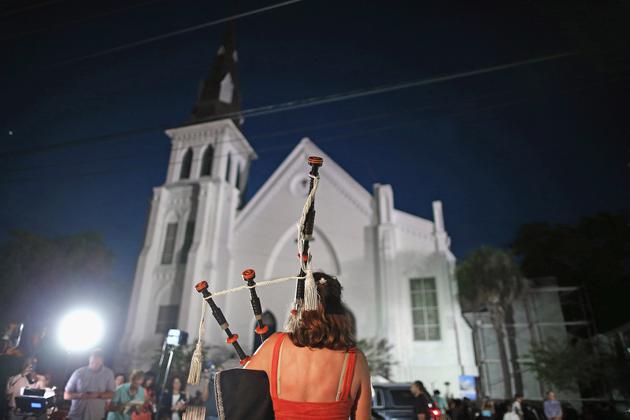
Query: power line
x=270, y=109
x=292, y=105
x=176, y=33
x=320, y=140
x=260, y=136
x=229, y=140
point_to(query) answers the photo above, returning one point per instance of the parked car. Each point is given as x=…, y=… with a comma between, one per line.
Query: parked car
x=394, y=401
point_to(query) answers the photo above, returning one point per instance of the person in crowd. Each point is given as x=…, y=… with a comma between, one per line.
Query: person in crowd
x=42, y=381
x=552, y=407
x=173, y=402
x=89, y=387
x=315, y=371
x=25, y=379
x=510, y=414
x=119, y=379
x=455, y=409
x=469, y=411
x=440, y=401
x=128, y=398
x=487, y=408
x=10, y=339
x=420, y=401
x=517, y=406
x=150, y=387
x=150, y=393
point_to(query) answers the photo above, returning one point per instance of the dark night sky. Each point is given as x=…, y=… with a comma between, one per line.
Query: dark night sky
x=542, y=142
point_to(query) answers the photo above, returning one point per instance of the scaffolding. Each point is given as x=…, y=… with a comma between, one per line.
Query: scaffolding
x=544, y=311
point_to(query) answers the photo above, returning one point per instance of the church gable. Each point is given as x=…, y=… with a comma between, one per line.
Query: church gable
x=288, y=186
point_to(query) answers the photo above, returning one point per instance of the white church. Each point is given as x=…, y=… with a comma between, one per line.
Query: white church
x=396, y=268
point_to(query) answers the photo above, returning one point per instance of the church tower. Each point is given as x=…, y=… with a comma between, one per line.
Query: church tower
x=192, y=214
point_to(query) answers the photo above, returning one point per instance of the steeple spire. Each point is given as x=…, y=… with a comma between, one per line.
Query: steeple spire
x=219, y=94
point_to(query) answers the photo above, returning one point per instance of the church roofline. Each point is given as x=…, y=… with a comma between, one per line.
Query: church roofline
x=413, y=222
x=339, y=178
x=330, y=170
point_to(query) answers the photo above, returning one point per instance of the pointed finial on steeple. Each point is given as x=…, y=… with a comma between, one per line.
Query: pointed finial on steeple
x=219, y=94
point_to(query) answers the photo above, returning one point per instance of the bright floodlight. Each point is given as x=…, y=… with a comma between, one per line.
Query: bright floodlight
x=80, y=330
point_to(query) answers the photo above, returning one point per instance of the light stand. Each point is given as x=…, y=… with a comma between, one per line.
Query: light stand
x=174, y=338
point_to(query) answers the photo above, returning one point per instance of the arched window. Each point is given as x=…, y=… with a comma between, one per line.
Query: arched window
x=186, y=164
x=228, y=168
x=238, y=176
x=206, y=161
x=269, y=319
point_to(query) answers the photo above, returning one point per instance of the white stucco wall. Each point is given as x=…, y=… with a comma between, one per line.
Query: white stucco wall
x=373, y=248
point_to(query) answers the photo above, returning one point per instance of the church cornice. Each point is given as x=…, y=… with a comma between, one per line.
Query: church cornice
x=219, y=131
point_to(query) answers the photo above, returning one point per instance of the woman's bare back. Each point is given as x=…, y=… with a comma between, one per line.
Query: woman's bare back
x=313, y=375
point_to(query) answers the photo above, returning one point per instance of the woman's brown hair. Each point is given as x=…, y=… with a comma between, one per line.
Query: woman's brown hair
x=330, y=326
x=136, y=374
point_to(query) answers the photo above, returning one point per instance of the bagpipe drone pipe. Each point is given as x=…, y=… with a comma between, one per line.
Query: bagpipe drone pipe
x=243, y=393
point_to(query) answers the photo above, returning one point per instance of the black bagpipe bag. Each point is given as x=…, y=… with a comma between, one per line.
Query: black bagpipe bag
x=243, y=394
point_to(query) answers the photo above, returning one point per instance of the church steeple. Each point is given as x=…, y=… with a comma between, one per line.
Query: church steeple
x=219, y=94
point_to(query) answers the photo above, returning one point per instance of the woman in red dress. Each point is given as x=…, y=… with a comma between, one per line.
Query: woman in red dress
x=315, y=371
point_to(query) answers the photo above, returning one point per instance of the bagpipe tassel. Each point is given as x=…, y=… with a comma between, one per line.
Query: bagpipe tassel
x=195, y=412
x=310, y=292
x=196, y=362
x=294, y=319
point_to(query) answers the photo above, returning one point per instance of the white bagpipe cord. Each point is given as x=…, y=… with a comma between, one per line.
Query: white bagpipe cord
x=259, y=284
x=310, y=288
x=196, y=362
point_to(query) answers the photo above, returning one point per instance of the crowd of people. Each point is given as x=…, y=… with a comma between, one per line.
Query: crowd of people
x=95, y=392
x=424, y=406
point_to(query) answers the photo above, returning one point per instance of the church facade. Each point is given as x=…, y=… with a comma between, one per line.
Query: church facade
x=397, y=269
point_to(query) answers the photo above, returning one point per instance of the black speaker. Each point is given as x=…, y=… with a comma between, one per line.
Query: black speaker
x=243, y=394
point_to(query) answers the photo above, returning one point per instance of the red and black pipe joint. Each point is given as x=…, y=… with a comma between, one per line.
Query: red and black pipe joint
x=261, y=329
x=202, y=287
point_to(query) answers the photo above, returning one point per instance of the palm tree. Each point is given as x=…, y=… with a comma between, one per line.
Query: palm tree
x=489, y=278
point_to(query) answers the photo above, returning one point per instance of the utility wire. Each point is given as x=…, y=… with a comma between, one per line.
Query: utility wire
x=176, y=33
x=337, y=123
x=270, y=109
x=291, y=105
x=327, y=139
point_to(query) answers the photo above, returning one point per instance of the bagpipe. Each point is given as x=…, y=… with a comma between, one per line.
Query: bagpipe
x=242, y=393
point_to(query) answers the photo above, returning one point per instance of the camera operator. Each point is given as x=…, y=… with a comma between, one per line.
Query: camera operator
x=25, y=379
x=10, y=339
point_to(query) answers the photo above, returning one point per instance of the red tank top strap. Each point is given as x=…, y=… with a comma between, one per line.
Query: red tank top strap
x=347, y=381
x=274, y=365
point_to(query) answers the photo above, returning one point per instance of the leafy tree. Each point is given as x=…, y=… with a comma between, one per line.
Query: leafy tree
x=594, y=253
x=378, y=353
x=41, y=276
x=489, y=279
x=563, y=365
x=573, y=364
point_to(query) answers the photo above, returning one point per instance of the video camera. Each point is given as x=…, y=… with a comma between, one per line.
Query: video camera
x=35, y=402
